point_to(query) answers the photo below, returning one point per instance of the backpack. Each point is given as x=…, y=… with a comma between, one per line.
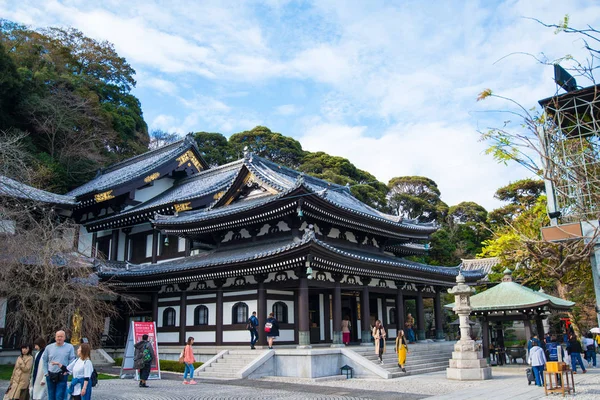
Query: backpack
x=94, y=378
x=147, y=355
x=268, y=327
x=249, y=325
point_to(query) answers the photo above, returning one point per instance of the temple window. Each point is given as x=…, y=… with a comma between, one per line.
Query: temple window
x=281, y=312
x=392, y=316
x=169, y=317
x=239, y=313
x=201, y=315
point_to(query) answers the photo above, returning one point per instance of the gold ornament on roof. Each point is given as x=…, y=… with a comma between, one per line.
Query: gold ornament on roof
x=152, y=177
x=183, y=206
x=189, y=157
x=100, y=197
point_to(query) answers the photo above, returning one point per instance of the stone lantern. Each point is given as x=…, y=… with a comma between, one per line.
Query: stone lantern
x=467, y=361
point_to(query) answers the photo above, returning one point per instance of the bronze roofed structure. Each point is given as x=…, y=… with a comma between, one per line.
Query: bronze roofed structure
x=202, y=248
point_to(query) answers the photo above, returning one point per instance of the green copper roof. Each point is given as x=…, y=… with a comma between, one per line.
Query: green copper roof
x=512, y=296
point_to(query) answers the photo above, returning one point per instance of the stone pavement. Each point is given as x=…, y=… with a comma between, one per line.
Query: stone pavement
x=507, y=383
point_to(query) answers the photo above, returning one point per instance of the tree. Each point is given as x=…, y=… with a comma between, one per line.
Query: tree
x=214, y=148
x=43, y=278
x=521, y=195
x=270, y=145
x=416, y=197
x=159, y=138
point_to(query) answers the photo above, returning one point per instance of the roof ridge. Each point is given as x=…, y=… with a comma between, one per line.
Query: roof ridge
x=191, y=178
x=134, y=159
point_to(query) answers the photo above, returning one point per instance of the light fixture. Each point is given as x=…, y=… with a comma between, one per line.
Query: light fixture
x=299, y=211
x=166, y=242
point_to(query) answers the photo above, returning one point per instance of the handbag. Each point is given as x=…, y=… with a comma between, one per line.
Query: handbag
x=181, y=356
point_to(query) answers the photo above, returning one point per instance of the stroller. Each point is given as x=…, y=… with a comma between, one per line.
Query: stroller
x=530, y=377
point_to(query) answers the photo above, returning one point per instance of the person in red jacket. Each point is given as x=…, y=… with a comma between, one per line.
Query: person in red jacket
x=189, y=360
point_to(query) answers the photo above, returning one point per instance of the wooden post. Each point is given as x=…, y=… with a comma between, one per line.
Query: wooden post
x=399, y=310
x=303, y=320
x=420, y=316
x=337, y=310
x=219, y=311
x=114, y=245
x=366, y=312
x=182, y=317
x=262, y=308
x=154, y=246
x=439, y=316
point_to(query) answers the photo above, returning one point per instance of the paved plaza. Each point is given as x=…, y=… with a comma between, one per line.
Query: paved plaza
x=508, y=383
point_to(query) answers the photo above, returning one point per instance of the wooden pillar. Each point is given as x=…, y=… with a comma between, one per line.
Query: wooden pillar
x=399, y=310
x=219, y=311
x=337, y=310
x=485, y=337
x=303, y=317
x=155, y=305
x=94, y=244
x=420, y=316
x=366, y=312
x=539, y=325
x=384, y=316
x=182, y=317
x=262, y=308
x=439, y=316
x=527, y=326
x=188, y=247
x=114, y=245
x=126, y=252
x=154, y=246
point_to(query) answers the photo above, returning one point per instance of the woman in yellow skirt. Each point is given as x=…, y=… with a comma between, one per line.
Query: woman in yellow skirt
x=401, y=349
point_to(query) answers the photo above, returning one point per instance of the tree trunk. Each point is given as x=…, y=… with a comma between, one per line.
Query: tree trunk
x=563, y=290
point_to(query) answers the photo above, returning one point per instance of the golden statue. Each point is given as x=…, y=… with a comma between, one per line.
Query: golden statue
x=76, y=336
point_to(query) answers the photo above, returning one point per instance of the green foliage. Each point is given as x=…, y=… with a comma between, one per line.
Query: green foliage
x=274, y=146
x=175, y=366
x=214, y=148
x=72, y=95
x=416, y=197
x=467, y=212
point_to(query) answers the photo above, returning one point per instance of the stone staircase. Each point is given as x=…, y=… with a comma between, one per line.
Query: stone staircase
x=423, y=357
x=229, y=365
x=101, y=359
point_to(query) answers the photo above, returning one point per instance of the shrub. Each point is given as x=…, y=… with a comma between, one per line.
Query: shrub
x=175, y=366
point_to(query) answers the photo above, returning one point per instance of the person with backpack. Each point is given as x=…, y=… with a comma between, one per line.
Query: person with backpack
x=574, y=349
x=82, y=370
x=251, y=326
x=537, y=360
x=534, y=341
x=143, y=358
x=552, y=348
x=271, y=329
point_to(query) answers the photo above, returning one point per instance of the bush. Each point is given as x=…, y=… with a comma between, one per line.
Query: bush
x=165, y=365
x=175, y=366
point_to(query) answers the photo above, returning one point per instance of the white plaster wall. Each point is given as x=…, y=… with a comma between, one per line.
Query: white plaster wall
x=3, y=303
x=212, y=309
x=236, y=336
x=202, y=337
x=163, y=299
x=85, y=242
x=160, y=316
x=240, y=293
x=391, y=333
x=322, y=316
x=121, y=248
x=145, y=227
x=159, y=186
x=379, y=309
x=227, y=306
x=202, y=296
x=288, y=303
x=359, y=329
x=167, y=337
x=286, y=335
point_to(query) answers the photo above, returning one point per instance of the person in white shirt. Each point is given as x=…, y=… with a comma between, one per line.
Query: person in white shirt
x=589, y=345
x=537, y=360
x=81, y=369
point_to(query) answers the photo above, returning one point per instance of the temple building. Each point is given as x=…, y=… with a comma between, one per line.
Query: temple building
x=203, y=247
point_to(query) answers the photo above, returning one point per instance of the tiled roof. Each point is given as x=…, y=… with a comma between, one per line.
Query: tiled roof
x=285, y=180
x=196, y=186
x=229, y=256
x=484, y=264
x=133, y=168
x=11, y=188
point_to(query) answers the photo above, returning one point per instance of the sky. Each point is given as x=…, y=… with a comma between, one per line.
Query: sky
x=390, y=85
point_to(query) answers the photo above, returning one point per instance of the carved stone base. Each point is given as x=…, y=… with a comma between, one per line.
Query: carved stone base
x=467, y=363
x=469, y=374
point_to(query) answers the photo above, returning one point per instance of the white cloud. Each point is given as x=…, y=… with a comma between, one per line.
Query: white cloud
x=287, y=109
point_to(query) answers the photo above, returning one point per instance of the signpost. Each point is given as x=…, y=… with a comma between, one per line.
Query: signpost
x=137, y=330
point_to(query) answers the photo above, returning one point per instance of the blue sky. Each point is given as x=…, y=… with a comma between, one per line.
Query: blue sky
x=390, y=85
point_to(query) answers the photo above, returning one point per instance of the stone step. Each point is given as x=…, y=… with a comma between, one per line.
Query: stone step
x=219, y=375
x=388, y=358
x=417, y=372
x=394, y=366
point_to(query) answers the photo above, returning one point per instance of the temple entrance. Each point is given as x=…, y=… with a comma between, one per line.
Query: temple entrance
x=350, y=309
x=315, y=311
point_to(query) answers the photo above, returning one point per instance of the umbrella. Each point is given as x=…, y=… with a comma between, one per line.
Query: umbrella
x=595, y=330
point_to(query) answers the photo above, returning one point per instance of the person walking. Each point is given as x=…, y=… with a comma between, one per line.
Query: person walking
x=253, y=328
x=143, y=358
x=57, y=353
x=346, y=325
x=532, y=341
x=537, y=360
x=37, y=384
x=574, y=349
x=189, y=360
x=81, y=368
x=410, y=323
x=401, y=349
x=552, y=348
x=379, y=335
x=18, y=388
x=271, y=329
x=589, y=344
